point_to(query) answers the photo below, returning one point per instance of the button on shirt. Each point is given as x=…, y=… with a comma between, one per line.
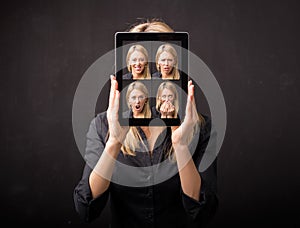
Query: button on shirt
x=145, y=189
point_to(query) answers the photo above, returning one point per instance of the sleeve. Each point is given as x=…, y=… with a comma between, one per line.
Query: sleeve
x=201, y=212
x=87, y=207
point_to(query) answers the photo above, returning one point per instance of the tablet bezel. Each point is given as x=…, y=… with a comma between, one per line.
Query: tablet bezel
x=123, y=37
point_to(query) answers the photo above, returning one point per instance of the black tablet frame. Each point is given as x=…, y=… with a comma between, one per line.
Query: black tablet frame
x=125, y=37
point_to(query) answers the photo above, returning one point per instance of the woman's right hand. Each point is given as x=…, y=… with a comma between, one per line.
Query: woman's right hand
x=117, y=133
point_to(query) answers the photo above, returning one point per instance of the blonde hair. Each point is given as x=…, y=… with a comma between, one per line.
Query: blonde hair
x=140, y=48
x=151, y=25
x=169, y=49
x=170, y=86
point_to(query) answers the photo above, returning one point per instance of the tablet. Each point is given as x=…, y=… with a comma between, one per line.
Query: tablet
x=152, y=74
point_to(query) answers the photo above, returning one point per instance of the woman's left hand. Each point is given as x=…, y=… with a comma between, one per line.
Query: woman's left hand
x=182, y=134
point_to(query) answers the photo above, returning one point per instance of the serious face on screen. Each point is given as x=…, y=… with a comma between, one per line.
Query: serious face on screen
x=166, y=63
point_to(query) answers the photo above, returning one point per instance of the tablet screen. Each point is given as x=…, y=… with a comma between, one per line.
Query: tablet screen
x=152, y=75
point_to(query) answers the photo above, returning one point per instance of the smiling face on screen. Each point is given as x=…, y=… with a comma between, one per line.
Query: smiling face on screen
x=137, y=62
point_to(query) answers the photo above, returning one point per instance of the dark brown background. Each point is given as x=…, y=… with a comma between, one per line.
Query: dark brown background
x=252, y=47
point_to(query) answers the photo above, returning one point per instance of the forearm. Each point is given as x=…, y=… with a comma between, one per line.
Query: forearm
x=100, y=177
x=189, y=175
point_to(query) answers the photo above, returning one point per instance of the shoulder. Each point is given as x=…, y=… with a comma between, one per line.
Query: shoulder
x=101, y=116
x=101, y=123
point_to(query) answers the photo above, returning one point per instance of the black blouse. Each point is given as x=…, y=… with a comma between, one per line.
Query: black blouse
x=145, y=191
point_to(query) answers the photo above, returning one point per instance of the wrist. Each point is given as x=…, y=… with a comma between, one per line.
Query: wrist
x=113, y=146
x=179, y=146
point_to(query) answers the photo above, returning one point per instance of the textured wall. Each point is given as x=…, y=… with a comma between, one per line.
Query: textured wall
x=252, y=48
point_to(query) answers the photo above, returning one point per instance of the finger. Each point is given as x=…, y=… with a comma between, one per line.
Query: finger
x=162, y=106
x=112, y=90
x=188, y=106
x=192, y=99
x=117, y=102
x=191, y=90
x=167, y=104
x=116, y=82
x=190, y=82
x=163, y=109
x=191, y=105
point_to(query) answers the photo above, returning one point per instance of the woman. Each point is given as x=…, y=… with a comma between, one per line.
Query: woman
x=137, y=63
x=187, y=198
x=166, y=63
x=167, y=103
